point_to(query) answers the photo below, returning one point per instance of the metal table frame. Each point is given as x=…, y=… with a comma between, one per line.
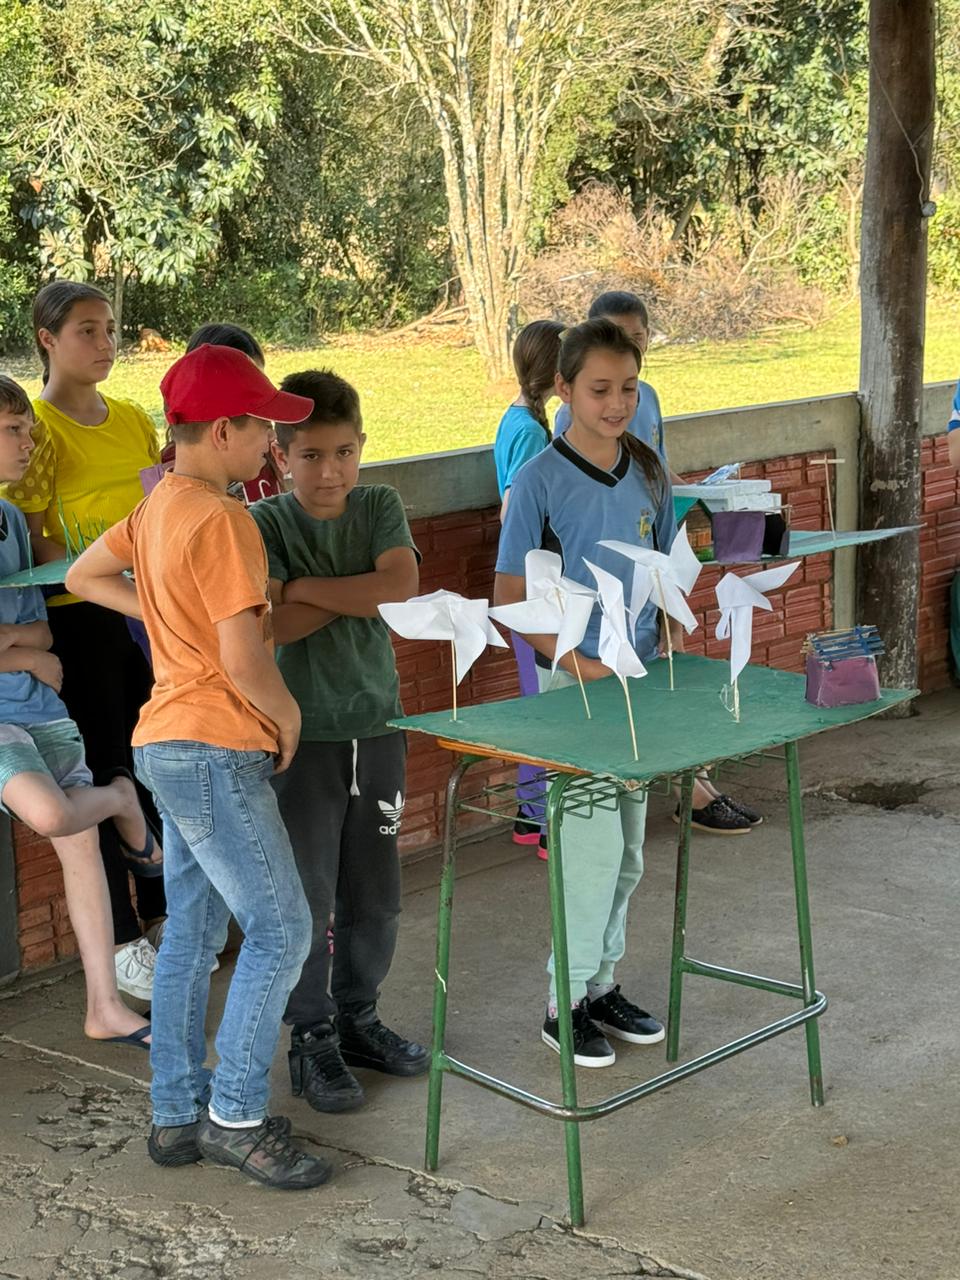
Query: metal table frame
x=569, y=791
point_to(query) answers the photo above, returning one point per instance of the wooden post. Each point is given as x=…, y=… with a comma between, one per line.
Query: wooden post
x=893, y=293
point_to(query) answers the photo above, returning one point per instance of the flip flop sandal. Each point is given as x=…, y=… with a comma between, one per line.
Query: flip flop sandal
x=135, y=1038
x=141, y=863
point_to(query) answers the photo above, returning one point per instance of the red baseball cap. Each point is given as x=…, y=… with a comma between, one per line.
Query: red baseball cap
x=219, y=382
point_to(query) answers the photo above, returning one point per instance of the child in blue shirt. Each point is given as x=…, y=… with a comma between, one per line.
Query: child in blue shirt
x=953, y=434
x=44, y=779
x=597, y=482
x=524, y=429
x=713, y=812
x=523, y=432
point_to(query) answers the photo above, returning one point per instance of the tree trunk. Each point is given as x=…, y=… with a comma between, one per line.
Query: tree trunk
x=893, y=290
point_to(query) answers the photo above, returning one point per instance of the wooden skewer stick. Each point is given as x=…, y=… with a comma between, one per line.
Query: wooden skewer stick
x=576, y=667
x=453, y=667
x=666, y=622
x=583, y=692
x=736, y=699
x=633, y=732
x=827, y=463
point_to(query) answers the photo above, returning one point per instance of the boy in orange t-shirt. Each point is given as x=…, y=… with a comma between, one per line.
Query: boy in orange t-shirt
x=220, y=722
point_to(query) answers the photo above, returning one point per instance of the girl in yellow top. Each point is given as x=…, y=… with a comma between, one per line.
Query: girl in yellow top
x=86, y=466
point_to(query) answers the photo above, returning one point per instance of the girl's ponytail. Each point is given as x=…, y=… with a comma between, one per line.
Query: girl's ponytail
x=602, y=334
x=51, y=307
x=535, y=359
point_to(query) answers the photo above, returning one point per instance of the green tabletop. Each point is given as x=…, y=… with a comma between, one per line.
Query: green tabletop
x=676, y=730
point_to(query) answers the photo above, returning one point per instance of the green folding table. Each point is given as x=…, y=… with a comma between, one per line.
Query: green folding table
x=589, y=764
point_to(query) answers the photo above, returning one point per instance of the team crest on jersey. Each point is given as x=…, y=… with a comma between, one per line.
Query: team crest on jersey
x=392, y=813
x=644, y=525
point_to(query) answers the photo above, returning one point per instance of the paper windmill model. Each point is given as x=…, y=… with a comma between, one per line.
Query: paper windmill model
x=616, y=649
x=668, y=578
x=444, y=615
x=737, y=598
x=555, y=605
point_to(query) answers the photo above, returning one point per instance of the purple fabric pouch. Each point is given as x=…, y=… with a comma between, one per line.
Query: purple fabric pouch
x=738, y=535
x=847, y=682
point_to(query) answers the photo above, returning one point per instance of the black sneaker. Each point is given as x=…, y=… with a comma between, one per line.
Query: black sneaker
x=617, y=1017
x=318, y=1072
x=717, y=818
x=264, y=1154
x=366, y=1042
x=590, y=1049
x=172, y=1145
x=738, y=806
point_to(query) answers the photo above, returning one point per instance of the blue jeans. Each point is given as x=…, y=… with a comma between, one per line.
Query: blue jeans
x=225, y=850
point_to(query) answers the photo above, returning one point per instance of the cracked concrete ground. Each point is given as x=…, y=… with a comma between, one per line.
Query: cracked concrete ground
x=728, y=1176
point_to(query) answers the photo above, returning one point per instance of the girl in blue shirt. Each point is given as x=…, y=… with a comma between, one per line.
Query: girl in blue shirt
x=522, y=433
x=594, y=483
x=524, y=429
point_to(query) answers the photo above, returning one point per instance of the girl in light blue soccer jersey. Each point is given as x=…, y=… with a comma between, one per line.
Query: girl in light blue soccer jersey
x=596, y=482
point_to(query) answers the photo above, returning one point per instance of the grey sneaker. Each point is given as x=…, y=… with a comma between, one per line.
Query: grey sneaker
x=263, y=1154
x=173, y=1145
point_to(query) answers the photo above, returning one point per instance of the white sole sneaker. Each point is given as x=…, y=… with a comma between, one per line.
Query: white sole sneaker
x=134, y=967
x=630, y=1036
x=581, y=1061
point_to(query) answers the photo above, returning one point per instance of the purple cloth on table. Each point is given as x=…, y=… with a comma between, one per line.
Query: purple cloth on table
x=530, y=788
x=848, y=682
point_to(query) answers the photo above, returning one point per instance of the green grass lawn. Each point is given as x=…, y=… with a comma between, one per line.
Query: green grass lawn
x=419, y=398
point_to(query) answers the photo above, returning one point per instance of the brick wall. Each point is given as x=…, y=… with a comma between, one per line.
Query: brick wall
x=45, y=935
x=940, y=559
x=459, y=551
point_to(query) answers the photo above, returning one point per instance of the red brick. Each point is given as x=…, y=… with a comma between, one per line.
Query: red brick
x=40, y=933
x=42, y=889
x=39, y=955
x=41, y=914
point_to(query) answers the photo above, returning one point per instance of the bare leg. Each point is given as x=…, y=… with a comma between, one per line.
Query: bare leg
x=88, y=903
x=37, y=800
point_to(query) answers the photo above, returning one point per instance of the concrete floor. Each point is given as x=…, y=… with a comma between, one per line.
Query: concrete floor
x=730, y=1175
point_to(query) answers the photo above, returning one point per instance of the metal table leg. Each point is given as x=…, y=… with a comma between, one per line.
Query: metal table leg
x=558, y=924
x=812, y=1027
x=444, y=918
x=679, y=918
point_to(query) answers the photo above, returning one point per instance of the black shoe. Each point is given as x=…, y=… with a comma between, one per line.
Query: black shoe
x=617, y=1017
x=366, y=1042
x=738, y=806
x=172, y=1145
x=318, y=1072
x=263, y=1153
x=717, y=818
x=590, y=1049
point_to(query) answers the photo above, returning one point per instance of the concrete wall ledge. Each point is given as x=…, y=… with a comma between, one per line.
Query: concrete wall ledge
x=464, y=479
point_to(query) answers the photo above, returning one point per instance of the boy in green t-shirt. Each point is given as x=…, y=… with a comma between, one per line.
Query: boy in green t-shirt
x=336, y=551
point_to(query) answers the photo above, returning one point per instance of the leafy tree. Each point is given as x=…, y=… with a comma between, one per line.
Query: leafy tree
x=491, y=77
x=142, y=125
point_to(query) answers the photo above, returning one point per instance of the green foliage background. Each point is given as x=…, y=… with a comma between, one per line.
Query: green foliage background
x=221, y=172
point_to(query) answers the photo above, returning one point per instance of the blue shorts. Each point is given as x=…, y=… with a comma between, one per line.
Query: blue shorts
x=55, y=748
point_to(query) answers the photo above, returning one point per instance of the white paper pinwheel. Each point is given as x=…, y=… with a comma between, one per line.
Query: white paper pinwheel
x=668, y=578
x=737, y=598
x=444, y=615
x=555, y=605
x=615, y=649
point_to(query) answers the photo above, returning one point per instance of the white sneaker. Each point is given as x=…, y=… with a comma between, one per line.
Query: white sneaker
x=135, y=964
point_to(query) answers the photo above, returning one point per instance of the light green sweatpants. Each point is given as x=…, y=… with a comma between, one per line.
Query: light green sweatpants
x=602, y=858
